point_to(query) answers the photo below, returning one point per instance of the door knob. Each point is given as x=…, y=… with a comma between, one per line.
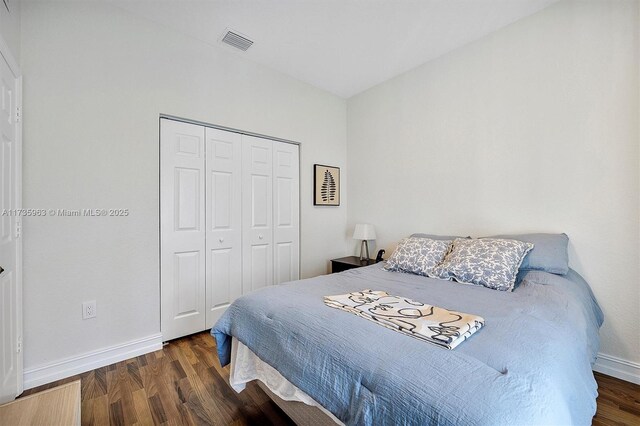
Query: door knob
x=221, y=239
x=260, y=236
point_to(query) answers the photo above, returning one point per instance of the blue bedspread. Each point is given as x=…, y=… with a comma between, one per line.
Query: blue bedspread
x=529, y=365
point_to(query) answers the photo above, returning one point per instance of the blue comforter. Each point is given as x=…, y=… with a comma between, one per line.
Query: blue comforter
x=529, y=365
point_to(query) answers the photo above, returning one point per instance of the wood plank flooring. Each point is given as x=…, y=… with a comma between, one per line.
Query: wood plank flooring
x=618, y=402
x=183, y=384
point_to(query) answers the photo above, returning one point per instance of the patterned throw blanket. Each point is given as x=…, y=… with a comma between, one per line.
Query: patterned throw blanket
x=415, y=319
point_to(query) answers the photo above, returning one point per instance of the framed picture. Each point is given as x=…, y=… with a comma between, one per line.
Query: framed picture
x=326, y=185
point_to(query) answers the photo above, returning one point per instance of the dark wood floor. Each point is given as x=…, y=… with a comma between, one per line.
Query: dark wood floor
x=184, y=384
x=618, y=402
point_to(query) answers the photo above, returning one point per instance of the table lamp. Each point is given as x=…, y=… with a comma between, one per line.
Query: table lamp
x=364, y=232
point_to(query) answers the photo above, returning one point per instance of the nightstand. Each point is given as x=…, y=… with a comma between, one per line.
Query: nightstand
x=349, y=262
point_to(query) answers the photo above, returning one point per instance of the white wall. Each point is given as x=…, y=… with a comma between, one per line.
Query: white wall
x=532, y=128
x=95, y=81
x=10, y=27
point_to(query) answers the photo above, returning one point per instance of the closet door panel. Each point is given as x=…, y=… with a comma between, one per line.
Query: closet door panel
x=285, y=270
x=260, y=202
x=187, y=189
x=260, y=262
x=221, y=286
x=257, y=210
x=182, y=222
x=187, y=276
x=224, y=221
x=286, y=208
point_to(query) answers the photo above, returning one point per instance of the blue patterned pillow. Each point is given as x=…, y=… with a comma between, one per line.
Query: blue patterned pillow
x=418, y=255
x=489, y=262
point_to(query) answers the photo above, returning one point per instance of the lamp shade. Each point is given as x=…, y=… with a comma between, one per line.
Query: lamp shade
x=364, y=231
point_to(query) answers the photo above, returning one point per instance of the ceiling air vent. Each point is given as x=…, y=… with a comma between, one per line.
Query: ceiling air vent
x=236, y=40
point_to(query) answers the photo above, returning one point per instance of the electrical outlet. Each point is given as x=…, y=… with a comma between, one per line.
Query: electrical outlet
x=89, y=309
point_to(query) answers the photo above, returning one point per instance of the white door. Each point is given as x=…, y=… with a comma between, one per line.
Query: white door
x=10, y=239
x=182, y=228
x=223, y=222
x=286, y=212
x=257, y=213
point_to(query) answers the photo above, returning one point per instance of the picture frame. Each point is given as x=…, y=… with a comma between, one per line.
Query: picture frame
x=326, y=185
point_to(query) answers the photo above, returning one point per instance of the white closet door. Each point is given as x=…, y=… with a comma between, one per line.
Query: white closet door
x=182, y=218
x=257, y=213
x=224, y=221
x=286, y=212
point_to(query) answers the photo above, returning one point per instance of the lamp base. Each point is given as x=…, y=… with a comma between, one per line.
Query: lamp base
x=364, y=246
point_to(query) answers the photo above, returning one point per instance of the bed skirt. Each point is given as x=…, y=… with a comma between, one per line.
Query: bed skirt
x=300, y=407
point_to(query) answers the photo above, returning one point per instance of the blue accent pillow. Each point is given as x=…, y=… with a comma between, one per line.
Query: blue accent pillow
x=550, y=253
x=436, y=237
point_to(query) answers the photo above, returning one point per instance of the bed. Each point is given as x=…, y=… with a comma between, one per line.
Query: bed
x=530, y=363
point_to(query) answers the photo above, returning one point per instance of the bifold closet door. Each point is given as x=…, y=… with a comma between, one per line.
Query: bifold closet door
x=224, y=221
x=257, y=213
x=182, y=219
x=229, y=221
x=286, y=209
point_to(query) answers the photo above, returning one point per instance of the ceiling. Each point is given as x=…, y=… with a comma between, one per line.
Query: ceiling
x=342, y=46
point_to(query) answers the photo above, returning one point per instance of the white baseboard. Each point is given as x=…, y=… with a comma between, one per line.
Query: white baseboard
x=61, y=369
x=618, y=368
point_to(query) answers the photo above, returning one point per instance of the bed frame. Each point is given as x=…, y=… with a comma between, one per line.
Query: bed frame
x=301, y=413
